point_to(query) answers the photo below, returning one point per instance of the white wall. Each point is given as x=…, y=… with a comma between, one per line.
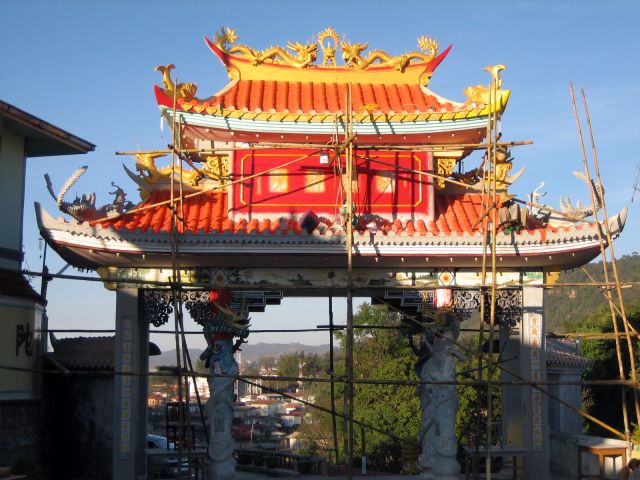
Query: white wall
x=12, y=169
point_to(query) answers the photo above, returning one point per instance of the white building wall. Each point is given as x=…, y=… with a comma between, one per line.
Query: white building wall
x=12, y=170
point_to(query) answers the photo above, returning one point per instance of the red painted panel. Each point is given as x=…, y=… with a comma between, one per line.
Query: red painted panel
x=293, y=181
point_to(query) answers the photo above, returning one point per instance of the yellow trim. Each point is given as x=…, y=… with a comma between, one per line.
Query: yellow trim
x=340, y=74
x=388, y=155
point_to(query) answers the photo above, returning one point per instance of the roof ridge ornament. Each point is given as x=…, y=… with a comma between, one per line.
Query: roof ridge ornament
x=351, y=54
x=305, y=55
x=480, y=94
x=329, y=49
x=300, y=55
x=182, y=90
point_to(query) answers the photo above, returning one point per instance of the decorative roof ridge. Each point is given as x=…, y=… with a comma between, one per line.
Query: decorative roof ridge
x=299, y=59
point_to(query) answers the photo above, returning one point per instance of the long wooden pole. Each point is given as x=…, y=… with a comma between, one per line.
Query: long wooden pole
x=275, y=146
x=176, y=294
x=614, y=263
x=334, y=424
x=349, y=339
x=485, y=245
x=614, y=319
x=494, y=230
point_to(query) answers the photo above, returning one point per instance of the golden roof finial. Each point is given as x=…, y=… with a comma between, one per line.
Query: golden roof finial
x=329, y=49
x=182, y=90
x=495, y=73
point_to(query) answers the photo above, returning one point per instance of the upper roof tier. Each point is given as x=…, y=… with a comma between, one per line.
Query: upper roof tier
x=286, y=94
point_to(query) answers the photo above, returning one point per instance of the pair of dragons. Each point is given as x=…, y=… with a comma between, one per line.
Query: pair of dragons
x=303, y=55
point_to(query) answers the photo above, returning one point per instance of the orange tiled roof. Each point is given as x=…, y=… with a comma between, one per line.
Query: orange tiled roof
x=299, y=97
x=453, y=214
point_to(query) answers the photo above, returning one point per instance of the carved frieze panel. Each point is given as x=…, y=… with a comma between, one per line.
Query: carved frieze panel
x=198, y=305
x=155, y=306
x=508, y=306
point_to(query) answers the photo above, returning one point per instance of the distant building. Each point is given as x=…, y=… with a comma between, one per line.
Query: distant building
x=268, y=408
x=292, y=418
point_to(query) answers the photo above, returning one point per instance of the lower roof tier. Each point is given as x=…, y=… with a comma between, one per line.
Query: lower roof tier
x=142, y=238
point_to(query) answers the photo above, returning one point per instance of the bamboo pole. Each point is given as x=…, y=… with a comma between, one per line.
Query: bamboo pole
x=614, y=264
x=275, y=146
x=614, y=320
x=633, y=331
x=175, y=291
x=334, y=425
x=485, y=230
x=349, y=338
x=492, y=157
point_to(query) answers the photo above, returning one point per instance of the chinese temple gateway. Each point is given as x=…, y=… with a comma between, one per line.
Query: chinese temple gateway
x=323, y=169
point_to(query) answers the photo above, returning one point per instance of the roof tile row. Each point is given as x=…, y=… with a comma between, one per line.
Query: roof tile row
x=454, y=215
x=324, y=98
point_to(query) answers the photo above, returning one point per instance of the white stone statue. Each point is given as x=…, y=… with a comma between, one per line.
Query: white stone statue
x=439, y=402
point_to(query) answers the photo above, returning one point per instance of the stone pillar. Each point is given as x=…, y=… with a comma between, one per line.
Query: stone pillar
x=219, y=408
x=220, y=328
x=130, y=392
x=525, y=409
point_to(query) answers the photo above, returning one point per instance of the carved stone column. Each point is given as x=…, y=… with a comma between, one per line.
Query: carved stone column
x=222, y=325
x=439, y=402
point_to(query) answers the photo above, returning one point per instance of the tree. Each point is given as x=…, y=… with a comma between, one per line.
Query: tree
x=472, y=411
x=604, y=402
x=382, y=354
x=289, y=366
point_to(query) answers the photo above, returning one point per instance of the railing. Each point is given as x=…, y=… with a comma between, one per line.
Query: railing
x=304, y=464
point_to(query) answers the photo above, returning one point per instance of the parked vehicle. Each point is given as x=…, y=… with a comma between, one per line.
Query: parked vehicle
x=165, y=466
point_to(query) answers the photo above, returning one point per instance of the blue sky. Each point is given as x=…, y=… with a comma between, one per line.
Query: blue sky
x=88, y=68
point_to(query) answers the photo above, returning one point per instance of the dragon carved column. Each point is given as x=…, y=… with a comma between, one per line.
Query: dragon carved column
x=220, y=330
x=439, y=402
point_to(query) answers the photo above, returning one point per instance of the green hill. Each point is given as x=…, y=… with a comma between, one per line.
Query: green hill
x=564, y=306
